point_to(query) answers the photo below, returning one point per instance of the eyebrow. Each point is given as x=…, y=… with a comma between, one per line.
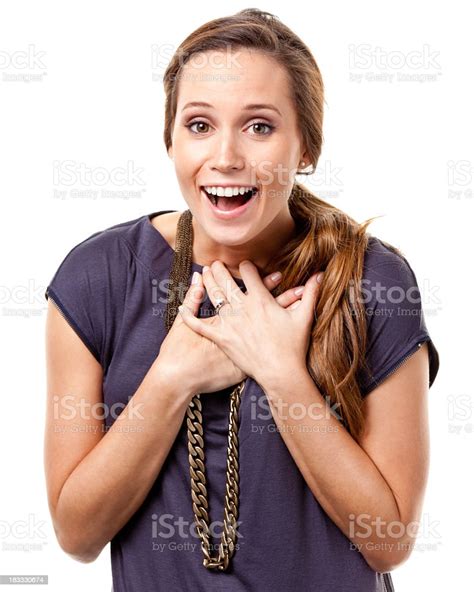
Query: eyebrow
x=250, y=107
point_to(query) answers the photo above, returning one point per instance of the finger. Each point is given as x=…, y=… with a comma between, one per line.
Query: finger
x=289, y=297
x=310, y=295
x=252, y=280
x=214, y=291
x=195, y=294
x=225, y=283
x=222, y=275
x=202, y=327
x=294, y=305
x=272, y=280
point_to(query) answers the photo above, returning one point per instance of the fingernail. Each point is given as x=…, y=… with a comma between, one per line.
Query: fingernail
x=319, y=277
x=195, y=278
x=276, y=276
x=299, y=291
x=205, y=268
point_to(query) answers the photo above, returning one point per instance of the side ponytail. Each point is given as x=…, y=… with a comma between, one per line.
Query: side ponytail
x=331, y=241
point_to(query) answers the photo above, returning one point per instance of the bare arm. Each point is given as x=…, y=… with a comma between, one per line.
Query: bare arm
x=96, y=480
x=93, y=486
x=372, y=490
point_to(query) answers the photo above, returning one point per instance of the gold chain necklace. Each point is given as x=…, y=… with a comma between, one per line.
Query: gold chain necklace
x=179, y=283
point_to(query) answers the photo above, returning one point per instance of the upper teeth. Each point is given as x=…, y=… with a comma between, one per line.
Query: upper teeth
x=227, y=191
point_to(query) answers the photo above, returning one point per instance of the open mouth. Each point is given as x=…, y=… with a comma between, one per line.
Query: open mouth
x=227, y=204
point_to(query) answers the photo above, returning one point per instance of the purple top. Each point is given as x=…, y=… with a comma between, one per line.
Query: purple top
x=108, y=288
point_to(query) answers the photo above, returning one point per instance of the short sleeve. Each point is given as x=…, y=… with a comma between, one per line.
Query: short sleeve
x=396, y=326
x=79, y=291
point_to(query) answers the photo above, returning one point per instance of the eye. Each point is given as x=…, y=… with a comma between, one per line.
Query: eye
x=198, y=122
x=259, y=124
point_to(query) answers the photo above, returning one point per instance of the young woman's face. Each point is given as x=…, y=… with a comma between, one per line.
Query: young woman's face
x=245, y=136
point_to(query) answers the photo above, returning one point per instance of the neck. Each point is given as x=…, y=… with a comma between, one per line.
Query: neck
x=260, y=250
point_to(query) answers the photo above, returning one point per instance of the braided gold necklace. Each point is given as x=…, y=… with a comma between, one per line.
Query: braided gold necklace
x=179, y=283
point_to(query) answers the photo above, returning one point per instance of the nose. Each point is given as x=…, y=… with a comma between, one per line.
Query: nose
x=227, y=154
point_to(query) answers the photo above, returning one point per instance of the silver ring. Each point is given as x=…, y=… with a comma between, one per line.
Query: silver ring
x=219, y=304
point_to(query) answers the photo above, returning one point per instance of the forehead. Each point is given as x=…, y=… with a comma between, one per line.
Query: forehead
x=224, y=78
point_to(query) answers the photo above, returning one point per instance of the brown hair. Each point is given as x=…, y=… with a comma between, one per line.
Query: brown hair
x=327, y=239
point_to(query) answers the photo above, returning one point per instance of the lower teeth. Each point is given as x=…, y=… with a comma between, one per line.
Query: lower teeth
x=214, y=199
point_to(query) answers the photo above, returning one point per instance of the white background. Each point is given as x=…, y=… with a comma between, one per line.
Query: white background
x=401, y=149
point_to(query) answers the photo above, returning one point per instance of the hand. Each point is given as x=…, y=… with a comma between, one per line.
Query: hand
x=196, y=364
x=252, y=329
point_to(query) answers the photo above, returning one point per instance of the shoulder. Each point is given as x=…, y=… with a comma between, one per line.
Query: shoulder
x=89, y=285
x=395, y=317
x=107, y=239
x=94, y=260
x=102, y=245
x=381, y=255
x=166, y=224
x=388, y=277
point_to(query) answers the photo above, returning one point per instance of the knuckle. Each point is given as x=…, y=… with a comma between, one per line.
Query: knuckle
x=216, y=292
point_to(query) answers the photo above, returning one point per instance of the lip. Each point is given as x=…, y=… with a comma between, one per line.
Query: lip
x=231, y=214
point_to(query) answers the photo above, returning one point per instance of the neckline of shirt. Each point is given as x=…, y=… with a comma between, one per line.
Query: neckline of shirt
x=194, y=266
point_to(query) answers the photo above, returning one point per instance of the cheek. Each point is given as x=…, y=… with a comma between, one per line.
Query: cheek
x=186, y=161
x=276, y=170
x=278, y=179
x=182, y=142
x=184, y=175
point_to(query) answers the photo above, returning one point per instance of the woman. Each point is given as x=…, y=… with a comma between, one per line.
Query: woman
x=284, y=474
